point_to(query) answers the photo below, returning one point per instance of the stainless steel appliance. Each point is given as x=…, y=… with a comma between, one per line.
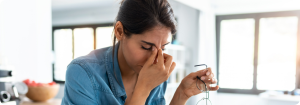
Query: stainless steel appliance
x=8, y=92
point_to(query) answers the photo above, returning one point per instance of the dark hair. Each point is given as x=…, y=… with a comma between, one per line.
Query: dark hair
x=138, y=16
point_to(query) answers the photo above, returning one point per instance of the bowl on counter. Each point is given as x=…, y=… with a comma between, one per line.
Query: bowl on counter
x=42, y=93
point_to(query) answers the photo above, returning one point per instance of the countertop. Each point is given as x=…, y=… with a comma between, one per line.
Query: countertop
x=49, y=102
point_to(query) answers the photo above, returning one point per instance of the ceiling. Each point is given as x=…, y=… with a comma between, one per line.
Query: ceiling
x=219, y=5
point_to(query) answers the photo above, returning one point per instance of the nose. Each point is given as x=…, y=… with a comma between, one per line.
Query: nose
x=157, y=47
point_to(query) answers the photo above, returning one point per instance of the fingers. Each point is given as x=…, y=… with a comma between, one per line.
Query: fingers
x=199, y=73
x=209, y=85
x=160, y=57
x=211, y=81
x=152, y=57
x=213, y=88
x=207, y=77
x=168, y=60
x=172, y=67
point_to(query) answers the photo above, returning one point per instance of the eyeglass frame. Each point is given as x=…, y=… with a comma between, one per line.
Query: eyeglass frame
x=206, y=92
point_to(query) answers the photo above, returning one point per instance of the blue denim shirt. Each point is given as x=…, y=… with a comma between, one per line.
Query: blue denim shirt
x=91, y=80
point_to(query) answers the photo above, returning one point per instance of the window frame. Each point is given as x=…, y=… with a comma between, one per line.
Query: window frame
x=72, y=27
x=256, y=17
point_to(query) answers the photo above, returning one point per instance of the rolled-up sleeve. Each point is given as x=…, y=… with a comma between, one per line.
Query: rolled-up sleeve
x=78, y=87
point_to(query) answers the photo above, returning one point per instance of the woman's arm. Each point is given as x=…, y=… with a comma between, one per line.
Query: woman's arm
x=179, y=97
x=140, y=95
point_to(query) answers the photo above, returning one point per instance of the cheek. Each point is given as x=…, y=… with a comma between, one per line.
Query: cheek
x=139, y=57
x=135, y=56
x=144, y=57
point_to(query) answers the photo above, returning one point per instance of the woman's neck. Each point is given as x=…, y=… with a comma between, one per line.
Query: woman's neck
x=126, y=71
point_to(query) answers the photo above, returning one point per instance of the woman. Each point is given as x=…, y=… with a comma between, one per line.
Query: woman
x=134, y=70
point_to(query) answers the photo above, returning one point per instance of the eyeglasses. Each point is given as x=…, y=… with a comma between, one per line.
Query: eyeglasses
x=205, y=100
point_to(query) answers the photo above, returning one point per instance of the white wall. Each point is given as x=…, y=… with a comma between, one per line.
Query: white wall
x=25, y=38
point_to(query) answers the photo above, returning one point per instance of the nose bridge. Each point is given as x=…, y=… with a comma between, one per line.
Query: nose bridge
x=158, y=46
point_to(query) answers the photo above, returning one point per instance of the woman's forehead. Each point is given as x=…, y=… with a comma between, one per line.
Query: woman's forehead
x=156, y=33
x=158, y=36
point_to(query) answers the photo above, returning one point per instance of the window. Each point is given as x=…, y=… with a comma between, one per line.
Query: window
x=277, y=52
x=258, y=52
x=63, y=51
x=83, y=41
x=74, y=41
x=103, y=37
x=236, y=53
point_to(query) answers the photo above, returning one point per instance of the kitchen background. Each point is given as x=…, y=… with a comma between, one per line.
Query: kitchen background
x=252, y=46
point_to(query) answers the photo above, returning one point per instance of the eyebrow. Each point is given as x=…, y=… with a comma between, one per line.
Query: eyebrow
x=153, y=43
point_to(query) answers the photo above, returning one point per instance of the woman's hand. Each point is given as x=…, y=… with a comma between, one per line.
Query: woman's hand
x=188, y=88
x=155, y=71
x=188, y=84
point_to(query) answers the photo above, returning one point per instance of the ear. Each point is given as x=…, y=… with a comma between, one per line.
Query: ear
x=119, y=33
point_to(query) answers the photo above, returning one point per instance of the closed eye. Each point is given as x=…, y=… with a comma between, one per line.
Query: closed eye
x=147, y=48
x=152, y=44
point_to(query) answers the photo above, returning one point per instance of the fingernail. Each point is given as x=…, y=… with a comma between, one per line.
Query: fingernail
x=207, y=73
x=202, y=78
x=153, y=48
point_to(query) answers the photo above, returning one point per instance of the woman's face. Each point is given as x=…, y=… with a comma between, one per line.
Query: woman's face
x=137, y=49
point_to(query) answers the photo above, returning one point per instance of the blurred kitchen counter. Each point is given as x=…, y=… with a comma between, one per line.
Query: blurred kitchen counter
x=49, y=102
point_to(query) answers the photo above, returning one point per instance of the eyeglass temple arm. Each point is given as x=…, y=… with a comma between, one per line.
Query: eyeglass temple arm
x=201, y=65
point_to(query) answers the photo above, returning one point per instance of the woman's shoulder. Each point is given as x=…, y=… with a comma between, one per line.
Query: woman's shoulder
x=95, y=56
x=88, y=70
x=86, y=77
x=96, y=61
x=93, y=65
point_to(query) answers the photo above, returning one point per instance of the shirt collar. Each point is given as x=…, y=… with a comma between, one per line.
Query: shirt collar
x=114, y=76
